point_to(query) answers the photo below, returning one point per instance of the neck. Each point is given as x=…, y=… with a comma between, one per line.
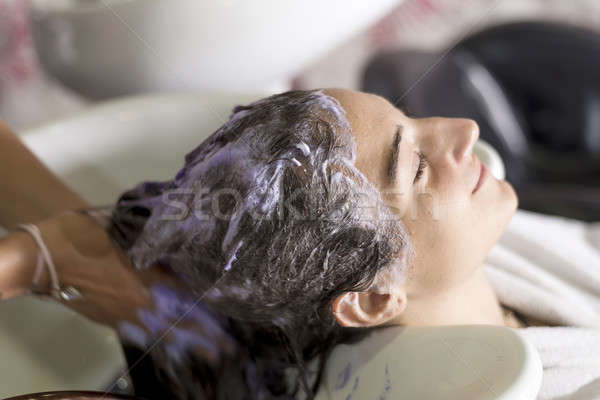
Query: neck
x=472, y=302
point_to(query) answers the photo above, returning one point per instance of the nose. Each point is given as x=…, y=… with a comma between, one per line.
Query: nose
x=464, y=133
x=450, y=139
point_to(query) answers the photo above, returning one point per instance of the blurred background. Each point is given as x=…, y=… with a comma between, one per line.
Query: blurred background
x=30, y=95
x=99, y=89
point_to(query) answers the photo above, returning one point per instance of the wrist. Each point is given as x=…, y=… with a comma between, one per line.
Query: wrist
x=18, y=257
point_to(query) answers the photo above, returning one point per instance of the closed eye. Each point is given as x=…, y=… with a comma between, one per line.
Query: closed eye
x=421, y=168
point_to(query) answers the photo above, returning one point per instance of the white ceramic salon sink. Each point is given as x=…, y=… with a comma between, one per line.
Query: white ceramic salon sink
x=45, y=347
x=475, y=362
x=112, y=146
x=106, y=48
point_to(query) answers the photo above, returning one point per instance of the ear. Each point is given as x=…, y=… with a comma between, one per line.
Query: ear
x=363, y=309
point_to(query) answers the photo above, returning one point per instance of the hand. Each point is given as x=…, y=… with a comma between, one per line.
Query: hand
x=86, y=258
x=141, y=305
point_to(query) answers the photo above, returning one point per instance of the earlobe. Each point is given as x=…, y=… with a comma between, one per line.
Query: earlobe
x=364, y=309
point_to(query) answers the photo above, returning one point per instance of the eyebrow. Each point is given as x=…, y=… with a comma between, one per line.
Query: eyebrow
x=393, y=166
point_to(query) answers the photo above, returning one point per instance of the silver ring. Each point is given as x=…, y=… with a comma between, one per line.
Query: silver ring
x=70, y=293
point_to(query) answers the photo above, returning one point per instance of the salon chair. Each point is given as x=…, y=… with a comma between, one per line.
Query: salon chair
x=111, y=147
x=534, y=90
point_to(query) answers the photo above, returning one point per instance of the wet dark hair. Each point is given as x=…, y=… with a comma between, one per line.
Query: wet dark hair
x=295, y=225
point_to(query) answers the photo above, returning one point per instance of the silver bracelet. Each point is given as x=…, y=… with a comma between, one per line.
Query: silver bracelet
x=66, y=293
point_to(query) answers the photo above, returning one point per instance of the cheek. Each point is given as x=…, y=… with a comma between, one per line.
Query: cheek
x=448, y=248
x=438, y=263
x=441, y=203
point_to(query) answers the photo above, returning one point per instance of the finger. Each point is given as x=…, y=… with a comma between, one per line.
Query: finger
x=17, y=260
x=103, y=309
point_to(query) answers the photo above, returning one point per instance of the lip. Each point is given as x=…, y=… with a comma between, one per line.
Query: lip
x=483, y=174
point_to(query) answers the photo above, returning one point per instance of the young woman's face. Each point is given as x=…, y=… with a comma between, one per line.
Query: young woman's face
x=452, y=226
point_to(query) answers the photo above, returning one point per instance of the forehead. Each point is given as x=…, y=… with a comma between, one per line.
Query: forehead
x=373, y=121
x=363, y=109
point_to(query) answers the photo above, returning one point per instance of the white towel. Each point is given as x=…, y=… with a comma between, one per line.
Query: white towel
x=548, y=268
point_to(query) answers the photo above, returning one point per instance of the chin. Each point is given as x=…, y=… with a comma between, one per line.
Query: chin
x=508, y=206
x=506, y=203
x=511, y=196
x=502, y=194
